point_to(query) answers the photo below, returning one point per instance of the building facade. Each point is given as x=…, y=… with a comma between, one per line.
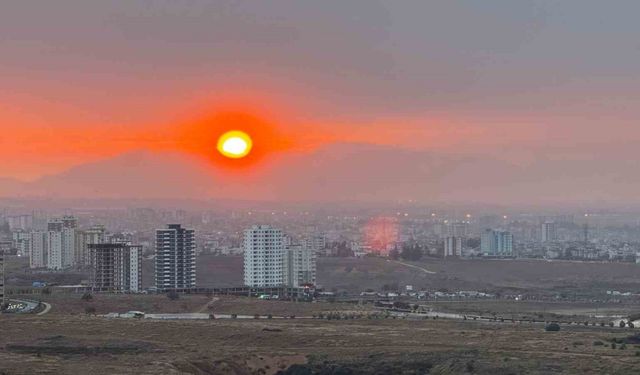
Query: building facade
x=264, y=256
x=548, y=232
x=38, y=249
x=453, y=246
x=300, y=266
x=115, y=267
x=496, y=243
x=94, y=235
x=175, y=266
x=61, y=242
x=21, y=242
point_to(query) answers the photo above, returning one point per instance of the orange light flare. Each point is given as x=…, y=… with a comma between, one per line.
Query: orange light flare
x=381, y=233
x=233, y=139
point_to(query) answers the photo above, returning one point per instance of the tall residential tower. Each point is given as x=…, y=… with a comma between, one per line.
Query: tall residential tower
x=175, y=258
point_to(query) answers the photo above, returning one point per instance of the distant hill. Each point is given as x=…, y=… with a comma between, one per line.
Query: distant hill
x=342, y=172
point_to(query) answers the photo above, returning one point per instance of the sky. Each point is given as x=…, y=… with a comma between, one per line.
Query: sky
x=536, y=85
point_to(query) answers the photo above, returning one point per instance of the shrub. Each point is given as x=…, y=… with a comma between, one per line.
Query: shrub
x=269, y=316
x=622, y=324
x=598, y=343
x=90, y=310
x=87, y=297
x=256, y=316
x=173, y=295
x=613, y=345
x=552, y=327
x=610, y=324
x=234, y=316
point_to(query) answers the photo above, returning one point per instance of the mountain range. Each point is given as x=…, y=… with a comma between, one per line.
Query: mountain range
x=344, y=172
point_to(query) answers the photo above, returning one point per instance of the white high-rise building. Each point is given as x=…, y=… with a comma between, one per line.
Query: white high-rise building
x=548, y=232
x=453, y=246
x=61, y=242
x=54, y=250
x=264, y=255
x=300, y=266
x=38, y=249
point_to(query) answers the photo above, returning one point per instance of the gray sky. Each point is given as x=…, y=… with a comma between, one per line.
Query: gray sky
x=520, y=81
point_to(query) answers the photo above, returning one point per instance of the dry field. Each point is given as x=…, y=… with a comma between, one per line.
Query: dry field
x=517, y=276
x=66, y=344
x=355, y=275
x=64, y=304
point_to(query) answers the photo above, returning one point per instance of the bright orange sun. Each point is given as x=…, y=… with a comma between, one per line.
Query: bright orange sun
x=235, y=144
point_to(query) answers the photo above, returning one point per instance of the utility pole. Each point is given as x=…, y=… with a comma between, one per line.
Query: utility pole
x=2, y=294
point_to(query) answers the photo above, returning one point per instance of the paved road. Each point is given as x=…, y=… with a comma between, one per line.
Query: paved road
x=47, y=308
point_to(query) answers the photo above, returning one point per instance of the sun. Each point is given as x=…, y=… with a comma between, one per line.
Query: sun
x=235, y=144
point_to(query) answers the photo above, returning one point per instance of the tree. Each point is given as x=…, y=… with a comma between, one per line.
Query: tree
x=394, y=254
x=473, y=243
x=411, y=252
x=343, y=250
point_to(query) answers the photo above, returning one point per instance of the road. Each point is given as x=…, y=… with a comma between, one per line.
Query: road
x=416, y=267
x=31, y=306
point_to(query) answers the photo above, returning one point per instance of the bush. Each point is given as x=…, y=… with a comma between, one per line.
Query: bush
x=598, y=343
x=87, y=297
x=269, y=316
x=90, y=310
x=622, y=324
x=552, y=327
x=173, y=295
x=234, y=316
x=613, y=345
x=256, y=316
